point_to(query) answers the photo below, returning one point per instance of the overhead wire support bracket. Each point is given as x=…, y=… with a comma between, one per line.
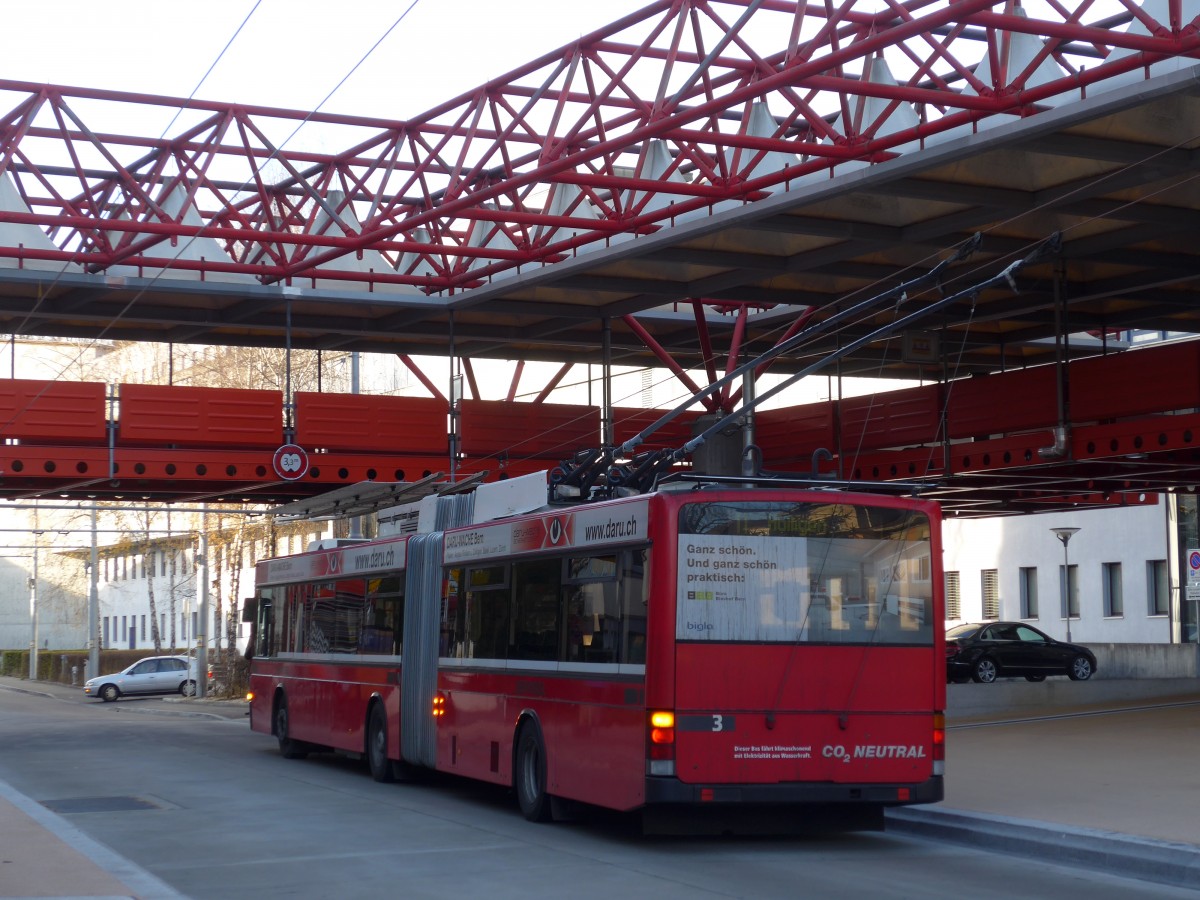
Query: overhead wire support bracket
x=899, y=293
x=1046, y=249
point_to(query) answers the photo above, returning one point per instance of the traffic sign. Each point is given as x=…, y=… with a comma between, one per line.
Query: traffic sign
x=290, y=462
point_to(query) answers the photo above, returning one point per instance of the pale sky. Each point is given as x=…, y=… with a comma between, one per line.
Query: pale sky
x=292, y=53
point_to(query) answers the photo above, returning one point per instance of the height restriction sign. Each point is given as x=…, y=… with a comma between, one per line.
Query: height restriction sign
x=290, y=462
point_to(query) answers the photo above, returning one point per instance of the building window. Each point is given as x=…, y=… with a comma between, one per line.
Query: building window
x=1158, y=590
x=953, y=596
x=1114, y=605
x=107, y=640
x=1070, y=596
x=124, y=627
x=990, y=589
x=1029, y=594
x=143, y=628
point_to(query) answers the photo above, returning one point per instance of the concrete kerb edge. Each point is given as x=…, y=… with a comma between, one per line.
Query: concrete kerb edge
x=1125, y=855
x=146, y=886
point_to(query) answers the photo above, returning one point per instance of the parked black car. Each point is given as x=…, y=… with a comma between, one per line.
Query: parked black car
x=991, y=650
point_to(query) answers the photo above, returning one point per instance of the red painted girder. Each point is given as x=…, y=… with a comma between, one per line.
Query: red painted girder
x=438, y=170
x=709, y=402
x=411, y=365
x=152, y=466
x=1152, y=435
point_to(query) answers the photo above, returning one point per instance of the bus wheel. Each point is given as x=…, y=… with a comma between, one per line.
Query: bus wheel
x=288, y=748
x=377, y=749
x=529, y=777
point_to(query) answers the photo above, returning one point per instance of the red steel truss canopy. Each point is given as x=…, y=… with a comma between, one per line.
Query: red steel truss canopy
x=692, y=179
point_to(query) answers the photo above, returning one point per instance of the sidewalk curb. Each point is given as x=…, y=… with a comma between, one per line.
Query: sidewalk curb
x=1125, y=855
x=141, y=883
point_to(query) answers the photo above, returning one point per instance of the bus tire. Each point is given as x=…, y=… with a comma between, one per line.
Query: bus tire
x=377, y=745
x=529, y=774
x=288, y=748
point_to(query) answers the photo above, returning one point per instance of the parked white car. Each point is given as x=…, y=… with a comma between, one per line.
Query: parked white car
x=153, y=675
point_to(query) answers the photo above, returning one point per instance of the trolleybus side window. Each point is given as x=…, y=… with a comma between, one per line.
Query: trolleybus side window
x=383, y=616
x=334, y=617
x=264, y=632
x=476, y=613
x=536, y=610
x=574, y=609
x=634, y=589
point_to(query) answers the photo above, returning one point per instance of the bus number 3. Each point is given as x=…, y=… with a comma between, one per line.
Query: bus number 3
x=713, y=723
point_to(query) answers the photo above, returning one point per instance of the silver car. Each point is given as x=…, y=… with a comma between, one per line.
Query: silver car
x=153, y=675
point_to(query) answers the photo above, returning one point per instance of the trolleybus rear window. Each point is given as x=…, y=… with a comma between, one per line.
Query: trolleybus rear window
x=761, y=571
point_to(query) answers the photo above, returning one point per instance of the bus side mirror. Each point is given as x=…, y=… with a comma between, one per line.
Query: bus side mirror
x=250, y=609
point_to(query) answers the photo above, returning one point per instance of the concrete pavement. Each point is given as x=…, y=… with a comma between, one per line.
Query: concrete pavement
x=1110, y=787
x=43, y=855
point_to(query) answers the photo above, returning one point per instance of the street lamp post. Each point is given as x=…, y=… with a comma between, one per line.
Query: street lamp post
x=33, y=610
x=1065, y=535
x=93, y=572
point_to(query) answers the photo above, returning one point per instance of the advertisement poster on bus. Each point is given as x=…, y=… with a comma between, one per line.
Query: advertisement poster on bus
x=332, y=563
x=743, y=588
x=617, y=524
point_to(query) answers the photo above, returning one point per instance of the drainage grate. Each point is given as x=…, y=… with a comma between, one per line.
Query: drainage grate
x=98, y=804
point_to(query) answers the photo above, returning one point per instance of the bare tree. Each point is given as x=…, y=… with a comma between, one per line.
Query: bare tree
x=149, y=569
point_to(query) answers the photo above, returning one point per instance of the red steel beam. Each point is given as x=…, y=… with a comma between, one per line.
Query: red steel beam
x=683, y=72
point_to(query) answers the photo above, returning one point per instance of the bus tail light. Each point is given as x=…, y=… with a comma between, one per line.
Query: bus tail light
x=939, y=743
x=439, y=706
x=661, y=743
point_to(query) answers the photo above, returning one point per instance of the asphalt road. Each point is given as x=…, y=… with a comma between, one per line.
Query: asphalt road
x=185, y=791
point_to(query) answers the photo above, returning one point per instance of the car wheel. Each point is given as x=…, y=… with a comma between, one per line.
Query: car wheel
x=1035, y=677
x=529, y=775
x=288, y=748
x=109, y=693
x=188, y=689
x=377, y=745
x=1080, y=669
x=985, y=671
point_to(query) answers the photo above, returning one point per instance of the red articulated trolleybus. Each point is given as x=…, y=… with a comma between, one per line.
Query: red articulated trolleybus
x=703, y=652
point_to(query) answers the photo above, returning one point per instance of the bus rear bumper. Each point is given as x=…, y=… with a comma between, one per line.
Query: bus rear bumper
x=673, y=807
x=661, y=790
